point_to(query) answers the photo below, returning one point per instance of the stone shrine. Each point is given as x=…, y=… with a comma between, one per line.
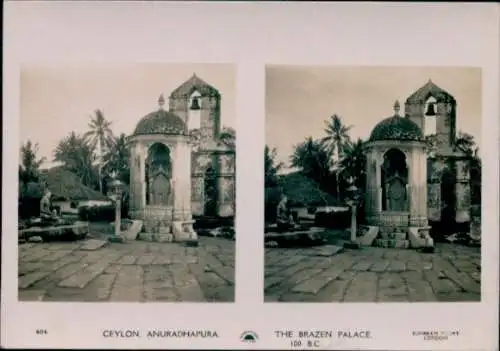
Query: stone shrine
x=179, y=167
x=414, y=175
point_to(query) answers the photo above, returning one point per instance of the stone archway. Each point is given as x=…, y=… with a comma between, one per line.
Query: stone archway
x=158, y=175
x=211, y=192
x=394, y=174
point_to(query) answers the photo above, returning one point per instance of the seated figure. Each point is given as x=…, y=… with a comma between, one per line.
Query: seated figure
x=284, y=219
x=47, y=216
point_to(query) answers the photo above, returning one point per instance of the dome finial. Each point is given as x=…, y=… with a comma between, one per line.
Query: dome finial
x=396, y=108
x=161, y=101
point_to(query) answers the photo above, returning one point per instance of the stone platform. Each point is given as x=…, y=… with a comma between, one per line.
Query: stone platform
x=288, y=238
x=76, y=231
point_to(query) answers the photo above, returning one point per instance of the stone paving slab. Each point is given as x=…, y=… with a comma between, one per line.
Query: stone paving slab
x=92, y=244
x=131, y=272
x=451, y=273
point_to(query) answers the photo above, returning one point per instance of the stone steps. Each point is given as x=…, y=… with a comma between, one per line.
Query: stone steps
x=392, y=243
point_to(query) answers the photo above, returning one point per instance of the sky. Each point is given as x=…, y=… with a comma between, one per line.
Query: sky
x=58, y=99
x=300, y=98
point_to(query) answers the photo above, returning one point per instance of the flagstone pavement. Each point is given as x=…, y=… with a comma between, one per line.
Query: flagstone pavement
x=321, y=274
x=94, y=270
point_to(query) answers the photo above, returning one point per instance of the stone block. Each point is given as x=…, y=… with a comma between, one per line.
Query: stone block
x=420, y=237
x=92, y=244
x=183, y=231
x=134, y=230
x=369, y=236
x=116, y=239
x=226, y=210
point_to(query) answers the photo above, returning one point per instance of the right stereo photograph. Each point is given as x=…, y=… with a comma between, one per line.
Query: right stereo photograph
x=372, y=184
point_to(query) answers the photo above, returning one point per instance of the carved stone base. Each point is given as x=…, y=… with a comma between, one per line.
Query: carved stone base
x=163, y=238
x=146, y=237
x=183, y=231
x=392, y=243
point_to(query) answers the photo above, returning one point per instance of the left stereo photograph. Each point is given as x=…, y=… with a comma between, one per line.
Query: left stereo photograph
x=127, y=183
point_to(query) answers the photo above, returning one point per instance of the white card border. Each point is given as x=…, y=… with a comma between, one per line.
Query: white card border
x=251, y=35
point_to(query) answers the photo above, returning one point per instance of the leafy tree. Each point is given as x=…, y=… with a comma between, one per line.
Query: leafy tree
x=313, y=159
x=117, y=159
x=29, y=169
x=353, y=162
x=465, y=143
x=228, y=136
x=78, y=157
x=100, y=138
x=272, y=191
x=337, y=135
x=271, y=167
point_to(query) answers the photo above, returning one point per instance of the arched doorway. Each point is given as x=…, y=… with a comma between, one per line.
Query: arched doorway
x=158, y=175
x=211, y=192
x=394, y=181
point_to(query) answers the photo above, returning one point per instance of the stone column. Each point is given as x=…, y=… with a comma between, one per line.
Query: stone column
x=177, y=174
x=132, y=192
x=462, y=191
x=434, y=192
x=423, y=187
x=418, y=213
x=142, y=152
x=413, y=183
x=368, y=186
x=378, y=183
x=186, y=181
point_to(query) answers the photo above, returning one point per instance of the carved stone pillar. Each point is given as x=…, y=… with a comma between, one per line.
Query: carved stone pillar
x=434, y=191
x=142, y=152
x=186, y=181
x=177, y=174
x=462, y=191
x=418, y=213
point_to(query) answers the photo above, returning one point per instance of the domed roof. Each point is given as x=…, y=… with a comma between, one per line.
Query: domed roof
x=428, y=90
x=396, y=128
x=194, y=84
x=161, y=122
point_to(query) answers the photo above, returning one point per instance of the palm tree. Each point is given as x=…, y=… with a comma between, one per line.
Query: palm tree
x=100, y=138
x=337, y=134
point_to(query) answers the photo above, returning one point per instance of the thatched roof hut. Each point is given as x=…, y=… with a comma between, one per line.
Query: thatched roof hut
x=65, y=185
x=303, y=191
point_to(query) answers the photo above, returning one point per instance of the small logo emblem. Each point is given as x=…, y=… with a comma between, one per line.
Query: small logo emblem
x=249, y=337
